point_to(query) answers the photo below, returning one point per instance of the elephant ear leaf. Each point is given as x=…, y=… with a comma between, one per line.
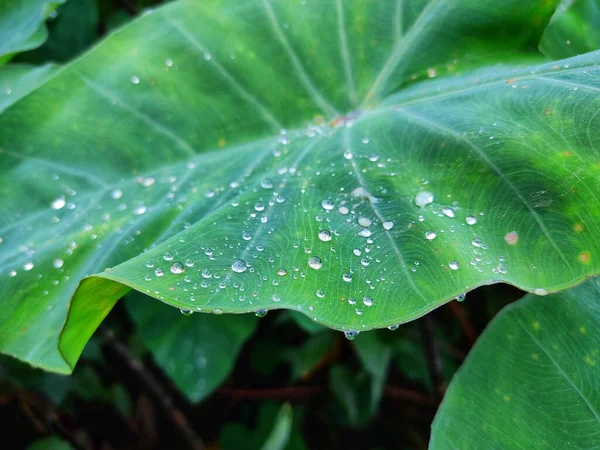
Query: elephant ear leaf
x=22, y=25
x=531, y=380
x=362, y=163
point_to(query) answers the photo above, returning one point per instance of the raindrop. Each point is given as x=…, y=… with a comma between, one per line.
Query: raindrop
x=364, y=262
x=327, y=204
x=393, y=327
x=135, y=80
x=460, y=297
x=320, y=293
x=315, y=262
x=28, y=266
x=368, y=301
x=430, y=235
x=347, y=277
x=357, y=252
x=364, y=222
x=168, y=256
x=388, y=225
x=266, y=184
x=276, y=297
x=454, y=265
x=476, y=242
x=470, y=220
x=246, y=236
x=351, y=334
x=351, y=301
x=140, y=210
x=59, y=203
x=169, y=62
x=177, y=268
x=238, y=266
x=189, y=263
x=324, y=235
x=206, y=273
x=186, y=312
x=282, y=272
x=348, y=154
x=116, y=194
x=259, y=206
x=365, y=232
x=159, y=272
x=261, y=313
x=57, y=263
x=448, y=212
x=423, y=199
x=343, y=210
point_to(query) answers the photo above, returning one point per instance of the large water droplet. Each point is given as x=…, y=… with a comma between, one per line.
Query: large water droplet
x=239, y=266
x=364, y=222
x=368, y=301
x=347, y=277
x=327, y=204
x=59, y=203
x=315, y=262
x=430, y=235
x=351, y=334
x=261, y=313
x=177, y=268
x=320, y=293
x=388, y=225
x=470, y=220
x=423, y=199
x=57, y=263
x=324, y=235
x=448, y=212
x=454, y=265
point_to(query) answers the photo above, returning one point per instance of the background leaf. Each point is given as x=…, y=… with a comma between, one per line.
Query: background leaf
x=531, y=380
x=197, y=353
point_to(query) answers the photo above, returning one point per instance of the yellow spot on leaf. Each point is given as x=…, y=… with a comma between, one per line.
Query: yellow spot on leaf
x=585, y=257
x=506, y=398
x=535, y=325
x=589, y=361
x=535, y=356
x=578, y=227
x=582, y=330
x=221, y=142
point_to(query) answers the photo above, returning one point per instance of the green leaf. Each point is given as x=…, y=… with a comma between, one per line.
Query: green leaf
x=50, y=443
x=22, y=25
x=282, y=429
x=196, y=352
x=312, y=351
x=18, y=80
x=531, y=381
x=573, y=30
x=375, y=356
x=166, y=138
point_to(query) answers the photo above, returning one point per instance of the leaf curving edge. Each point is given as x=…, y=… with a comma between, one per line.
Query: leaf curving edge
x=215, y=174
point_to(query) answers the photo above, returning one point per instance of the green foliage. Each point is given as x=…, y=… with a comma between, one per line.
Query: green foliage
x=358, y=164
x=531, y=380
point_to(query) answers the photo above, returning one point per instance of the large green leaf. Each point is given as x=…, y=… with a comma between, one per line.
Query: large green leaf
x=197, y=352
x=532, y=379
x=170, y=136
x=22, y=25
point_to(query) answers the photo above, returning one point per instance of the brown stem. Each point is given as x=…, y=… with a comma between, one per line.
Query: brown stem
x=406, y=395
x=464, y=321
x=431, y=354
x=154, y=388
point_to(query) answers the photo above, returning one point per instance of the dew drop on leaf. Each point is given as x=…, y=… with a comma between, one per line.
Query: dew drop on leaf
x=177, y=268
x=315, y=262
x=351, y=334
x=159, y=272
x=320, y=293
x=388, y=225
x=393, y=327
x=430, y=235
x=59, y=203
x=368, y=301
x=261, y=313
x=454, y=265
x=282, y=272
x=423, y=199
x=186, y=312
x=266, y=184
x=364, y=222
x=324, y=235
x=448, y=212
x=460, y=297
x=327, y=204
x=238, y=266
x=168, y=256
x=470, y=220
x=57, y=263
x=347, y=277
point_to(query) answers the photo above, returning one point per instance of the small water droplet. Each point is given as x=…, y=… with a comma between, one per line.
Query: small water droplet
x=168, y=256
x=324, y=235
x=368, y=301
x=140, y=210
x=347, y=277
x=116, y=194
x=315, y=262
x=470, y=220
x=320, y=293
x=357, y=252
x=59, y=203
x=430, y=235
x=239, y=266
x=348, y=154
x=343, y=210
x=206, y=273
x=159, y=272
x=393, y=327
x=169, y=62
x=177, y=268
x=388, y=225
x=364, y=222
x=261, y=313
x=282, y=272
x=327, y=204
x=365, y=232
x=186, y=312
x=28, y=266
x=276, y=297
x=448, y=212
x=460, y=297
x=135, y=80
x=351, y=334
x=423, y=199
x=57, y=263
x=266, y=184
x=454, y=265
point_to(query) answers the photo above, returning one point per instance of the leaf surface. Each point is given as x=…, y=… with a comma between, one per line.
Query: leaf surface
x=296, y=155
x=531, y=381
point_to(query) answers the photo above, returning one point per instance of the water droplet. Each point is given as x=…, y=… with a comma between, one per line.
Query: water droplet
x=246, y=236
x=476, y=242
x=320, y=293
x=357, y=252
x=315, y=262
x=189, y=263
x=207, y=56
x=261, y=313
x=454, y=265
x=423, y=199
x=324, y=235
x=140, y=210
x=364, y=262
x=168, y=256
x=28, y=266
x=159, y=272
x=388, y=225
x=351, y=301
x=116, y=194
x=347, y=277
x=259, y=206
x=276, y=297
x=348, y=154
x=150, y=264
x=327, y=204
x=351, y=334
x=343, y=210
x=430, y=235
x=169, y=62
x=470, y=220
x=460, y=297
x=365, y=232
x=368, y=301
x=206, y=273
x=448, y=212
x=186, y=312
x=282, y=272
x=177, y=268
x=393, y=327
x=364, y=222
x=57, y=263
x=12, y=273
x=135, y=80
x=238, y=266
x=59, y=203
x=266, y=184
x=540, y=291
